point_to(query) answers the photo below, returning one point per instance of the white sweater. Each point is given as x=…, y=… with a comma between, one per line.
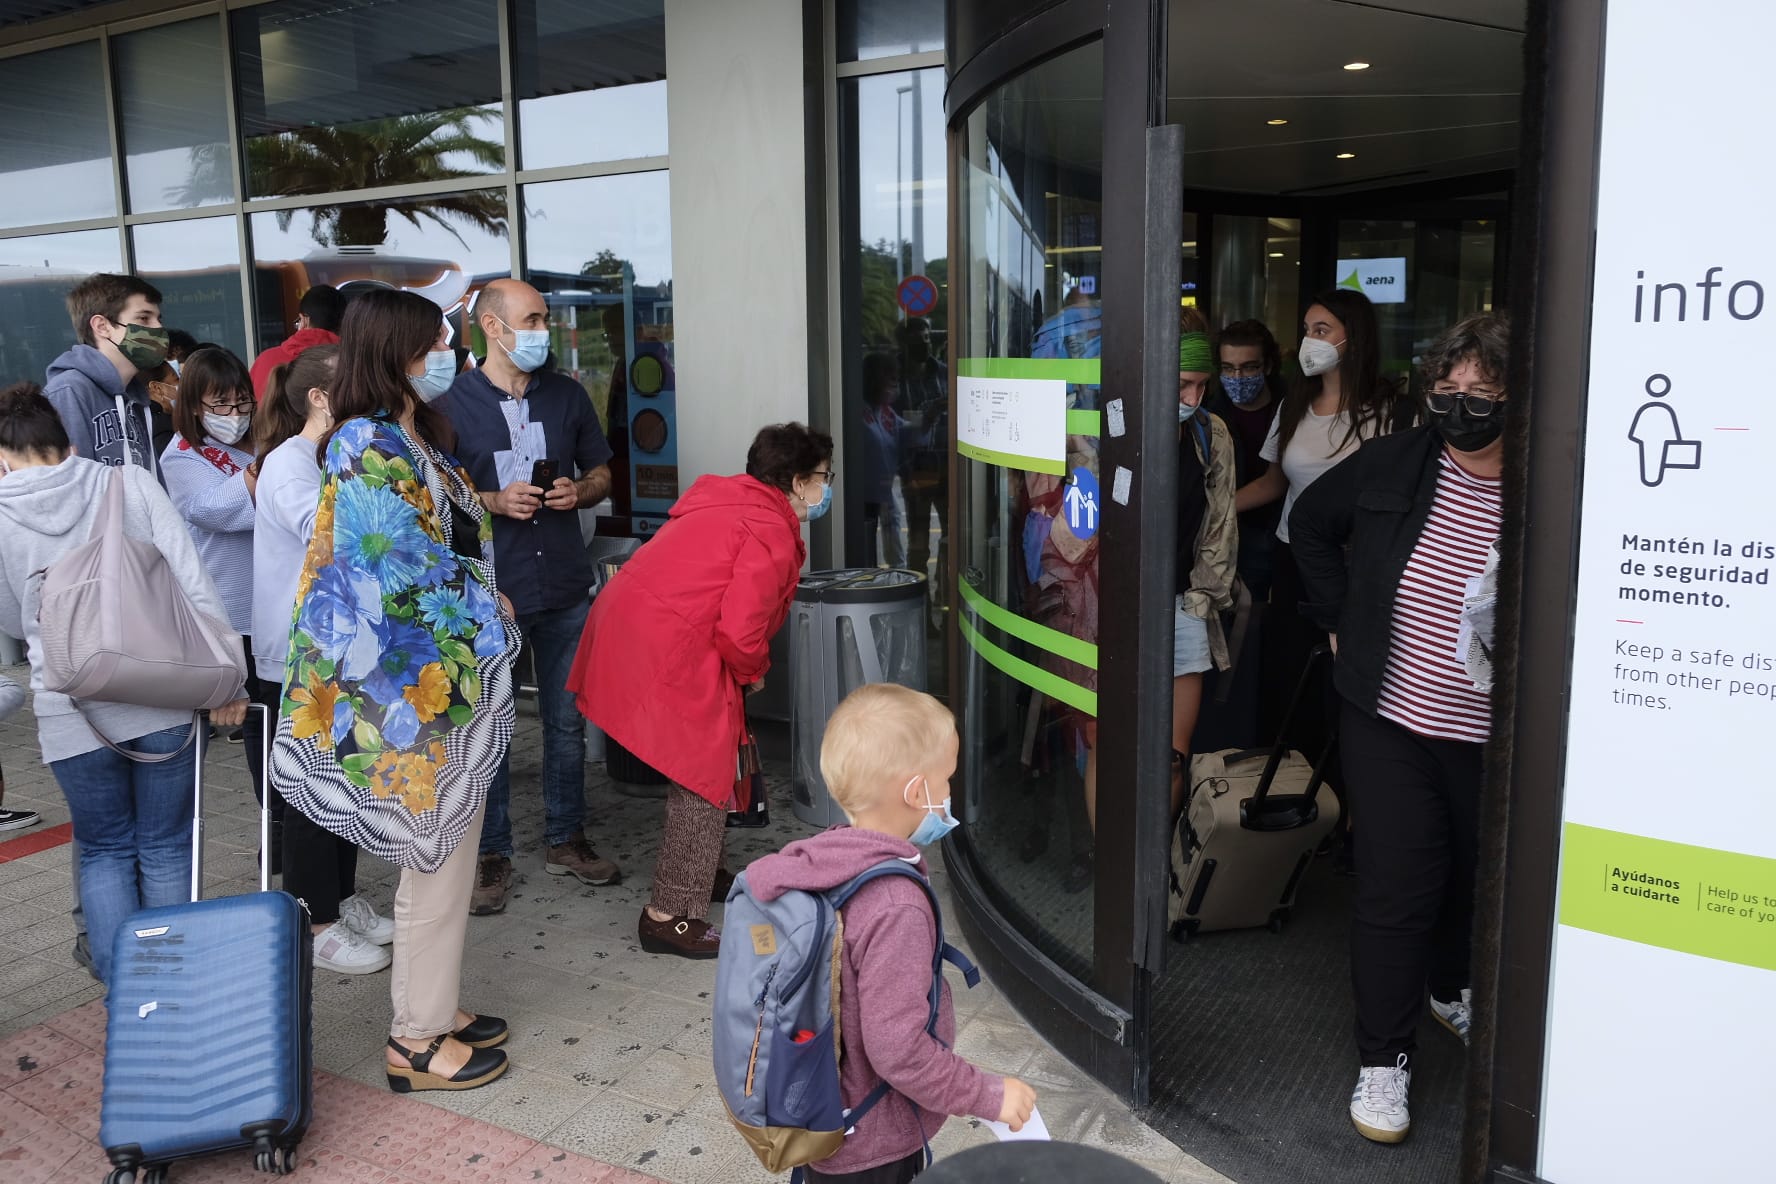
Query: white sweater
x=289, y=496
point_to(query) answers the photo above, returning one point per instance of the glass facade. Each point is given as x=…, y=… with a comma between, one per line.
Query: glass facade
x=873, y=29
x=600, y=251
x=361, y=96
x=55, y=139
x=348, y=142
x=173, y=108
x=1026, y=551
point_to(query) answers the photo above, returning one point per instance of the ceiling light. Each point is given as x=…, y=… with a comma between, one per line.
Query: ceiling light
x=1356, y=65
x=1276, y=122
x=1276, y=254
x=1347, y=156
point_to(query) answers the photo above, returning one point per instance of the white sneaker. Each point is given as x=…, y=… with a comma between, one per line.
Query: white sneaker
x=356, y=912
x=1378, y=1104
x=340, y=947
x=1457, y=1016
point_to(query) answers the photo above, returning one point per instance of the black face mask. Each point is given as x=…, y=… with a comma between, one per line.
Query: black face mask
x=1465, y=432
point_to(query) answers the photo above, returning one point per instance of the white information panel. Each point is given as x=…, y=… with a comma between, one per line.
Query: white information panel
x=1660, y=1044
x=1382, y=280
x=1020, y=423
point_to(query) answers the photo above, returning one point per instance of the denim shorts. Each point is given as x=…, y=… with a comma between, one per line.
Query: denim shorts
x=1190, y=642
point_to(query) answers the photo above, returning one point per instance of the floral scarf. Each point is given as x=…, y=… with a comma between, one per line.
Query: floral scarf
x=397, y=704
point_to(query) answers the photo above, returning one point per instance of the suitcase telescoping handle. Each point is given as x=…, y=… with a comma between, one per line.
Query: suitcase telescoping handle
x=1281, y=747
x=200, y=743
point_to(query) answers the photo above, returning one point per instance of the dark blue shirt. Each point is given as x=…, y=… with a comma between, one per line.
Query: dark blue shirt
x=541, y=564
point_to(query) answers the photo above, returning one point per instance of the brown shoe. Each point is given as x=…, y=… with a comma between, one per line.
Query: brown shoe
x=577, y=859
x=681, y=936
x=493, y=883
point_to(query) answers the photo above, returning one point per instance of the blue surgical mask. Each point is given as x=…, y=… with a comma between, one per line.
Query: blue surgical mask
x=1185, y=411
x=530, y=350
x=439, y=374
x=1243, y=389
x=938, y=820
x=818, y=509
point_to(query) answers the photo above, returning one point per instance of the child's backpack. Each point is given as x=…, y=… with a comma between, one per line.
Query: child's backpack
x=777, y=1038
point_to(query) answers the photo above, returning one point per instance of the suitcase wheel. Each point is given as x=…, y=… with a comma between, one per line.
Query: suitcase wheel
x=1278, y=919
x=273, y=1160
x=1183, y=931
x=128, y=1176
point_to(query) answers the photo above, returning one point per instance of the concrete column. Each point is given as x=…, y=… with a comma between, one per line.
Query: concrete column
x=739, y=224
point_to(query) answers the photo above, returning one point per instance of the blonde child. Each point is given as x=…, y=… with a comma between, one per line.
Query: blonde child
x=887, y=758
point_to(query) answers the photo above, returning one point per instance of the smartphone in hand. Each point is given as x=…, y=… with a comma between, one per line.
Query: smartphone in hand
x=542, y=475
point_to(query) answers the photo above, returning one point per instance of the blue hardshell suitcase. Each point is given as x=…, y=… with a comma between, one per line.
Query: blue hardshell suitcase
x=208, y=1043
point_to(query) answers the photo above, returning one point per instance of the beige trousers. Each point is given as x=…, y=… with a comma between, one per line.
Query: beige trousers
x=431, y=923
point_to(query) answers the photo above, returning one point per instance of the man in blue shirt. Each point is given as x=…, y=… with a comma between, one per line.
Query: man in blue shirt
x=510, y=414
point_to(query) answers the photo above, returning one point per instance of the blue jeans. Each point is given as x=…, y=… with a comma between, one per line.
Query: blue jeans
x=133, y=824
x=552, y=638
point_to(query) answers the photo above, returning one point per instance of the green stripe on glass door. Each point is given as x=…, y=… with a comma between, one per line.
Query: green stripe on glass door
x=1064, y=645
x=1079, y=371
x=1034, y=677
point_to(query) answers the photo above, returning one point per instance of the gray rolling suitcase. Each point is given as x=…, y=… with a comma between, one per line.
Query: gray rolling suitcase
x=1250, y=827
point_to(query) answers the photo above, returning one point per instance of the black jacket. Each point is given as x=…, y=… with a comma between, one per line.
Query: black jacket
x=1375, y=502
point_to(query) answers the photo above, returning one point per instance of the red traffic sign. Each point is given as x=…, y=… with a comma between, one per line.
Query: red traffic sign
x=917, y=295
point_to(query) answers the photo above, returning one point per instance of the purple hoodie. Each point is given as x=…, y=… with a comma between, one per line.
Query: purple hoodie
x=884, y=1001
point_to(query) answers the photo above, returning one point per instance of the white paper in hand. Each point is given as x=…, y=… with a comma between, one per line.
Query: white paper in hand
x=1034, y=1129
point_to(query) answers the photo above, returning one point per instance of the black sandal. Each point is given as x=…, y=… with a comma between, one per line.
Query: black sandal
x=484, y=1064
x=484, y=1031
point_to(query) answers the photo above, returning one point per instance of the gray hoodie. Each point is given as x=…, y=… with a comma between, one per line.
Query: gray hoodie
x=45, y=512
x=85, y=387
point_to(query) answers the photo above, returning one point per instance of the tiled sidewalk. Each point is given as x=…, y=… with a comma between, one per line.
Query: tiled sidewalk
x=50, y=1074
x=609, y=1047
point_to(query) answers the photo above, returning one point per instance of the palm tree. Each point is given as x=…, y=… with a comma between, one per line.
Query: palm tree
x=377, y=153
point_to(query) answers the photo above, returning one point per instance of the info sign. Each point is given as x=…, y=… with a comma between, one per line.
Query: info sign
x=1665, y=950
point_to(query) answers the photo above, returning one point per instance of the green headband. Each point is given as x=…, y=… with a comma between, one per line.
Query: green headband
x=1193, y=353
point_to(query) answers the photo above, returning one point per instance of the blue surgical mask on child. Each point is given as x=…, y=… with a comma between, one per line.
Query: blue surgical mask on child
x=440, y=373
x=818, y=509
x=1243, y=389
x=938, y=820
x=1185, y=411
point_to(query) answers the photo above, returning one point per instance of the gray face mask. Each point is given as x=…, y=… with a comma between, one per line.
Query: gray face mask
x=226, y=429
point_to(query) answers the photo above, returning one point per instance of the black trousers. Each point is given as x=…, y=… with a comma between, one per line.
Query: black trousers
x=1419, y=804
x=320, y=868
x=898, y=1172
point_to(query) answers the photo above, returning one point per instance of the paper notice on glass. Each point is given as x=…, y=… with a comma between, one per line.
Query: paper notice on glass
x=1017, y=423
x=1035, y=1129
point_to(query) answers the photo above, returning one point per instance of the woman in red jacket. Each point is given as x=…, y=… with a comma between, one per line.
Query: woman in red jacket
x=676, y=639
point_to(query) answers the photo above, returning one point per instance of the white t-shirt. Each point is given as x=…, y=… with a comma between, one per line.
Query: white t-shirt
x=289, y=497
x=1318, y=443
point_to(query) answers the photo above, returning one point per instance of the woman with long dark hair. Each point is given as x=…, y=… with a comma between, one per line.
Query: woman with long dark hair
x=397, y=705
x=1340, y=401
x=319, y=867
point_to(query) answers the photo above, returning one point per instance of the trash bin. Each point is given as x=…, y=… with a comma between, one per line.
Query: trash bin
x=625, y=768
x=847, y=628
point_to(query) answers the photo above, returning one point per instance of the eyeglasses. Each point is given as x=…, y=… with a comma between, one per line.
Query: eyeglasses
x=826, y=476
x=1474, y=403
x=1243, y=370
x=242, y=404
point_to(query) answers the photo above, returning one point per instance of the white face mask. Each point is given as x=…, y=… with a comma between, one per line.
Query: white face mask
x=1316, y=356
x=227, y=429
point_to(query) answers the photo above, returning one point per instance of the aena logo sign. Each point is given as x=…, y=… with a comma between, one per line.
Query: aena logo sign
x=1382, y=280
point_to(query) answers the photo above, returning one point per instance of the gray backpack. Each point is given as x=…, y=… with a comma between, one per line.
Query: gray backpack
x=114, y=626
x=777, y=1039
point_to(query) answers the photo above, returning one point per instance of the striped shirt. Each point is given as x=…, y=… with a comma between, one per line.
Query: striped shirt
x=1426, y=688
